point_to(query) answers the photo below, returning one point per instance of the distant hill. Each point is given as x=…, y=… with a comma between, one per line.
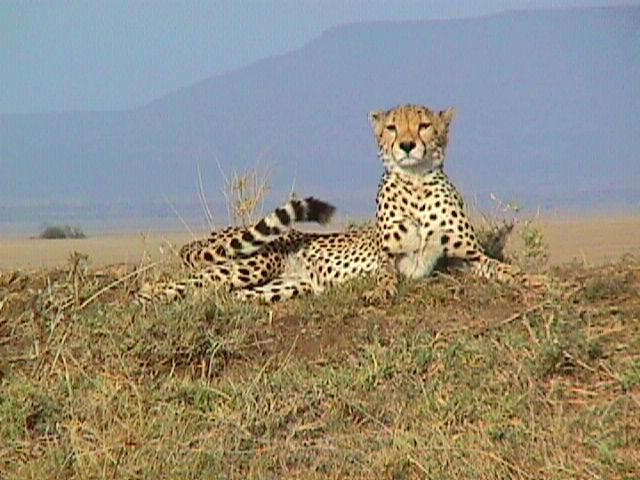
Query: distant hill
x=548, y=113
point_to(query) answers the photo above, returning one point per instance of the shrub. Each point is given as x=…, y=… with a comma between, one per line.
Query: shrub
x=493, y=236
x=62, y=231
x=494, y=231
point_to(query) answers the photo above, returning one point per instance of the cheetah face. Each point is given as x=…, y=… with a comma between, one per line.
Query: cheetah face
x=412, y=138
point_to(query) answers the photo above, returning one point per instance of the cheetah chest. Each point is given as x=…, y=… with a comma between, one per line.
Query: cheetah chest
x=415, y=233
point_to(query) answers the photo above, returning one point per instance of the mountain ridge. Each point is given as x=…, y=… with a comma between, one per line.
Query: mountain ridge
x=546, y=101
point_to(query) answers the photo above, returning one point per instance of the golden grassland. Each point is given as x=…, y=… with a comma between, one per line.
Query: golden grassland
x=456, y=378
x=591, y=240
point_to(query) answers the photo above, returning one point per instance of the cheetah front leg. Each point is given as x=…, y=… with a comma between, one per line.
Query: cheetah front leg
x=386, y=280
x=399, y=244
x=420, y=264
x=414, y=264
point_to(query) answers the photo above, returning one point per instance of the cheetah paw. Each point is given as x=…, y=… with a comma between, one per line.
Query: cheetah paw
x=536, y=282
x=380, y=295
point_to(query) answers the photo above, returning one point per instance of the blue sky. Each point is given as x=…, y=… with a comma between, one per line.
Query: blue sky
x=112, y=55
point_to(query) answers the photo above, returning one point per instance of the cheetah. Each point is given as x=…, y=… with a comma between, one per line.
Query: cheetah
x=420, y=214
x=270, y=260
x=420, y=219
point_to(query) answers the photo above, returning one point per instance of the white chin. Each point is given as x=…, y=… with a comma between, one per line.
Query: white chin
x=409, y=162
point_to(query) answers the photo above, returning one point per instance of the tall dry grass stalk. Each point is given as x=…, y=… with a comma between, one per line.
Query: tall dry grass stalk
x=245, y=193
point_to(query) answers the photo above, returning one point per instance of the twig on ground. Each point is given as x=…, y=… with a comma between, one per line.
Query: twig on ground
x=531, y=309
x=117, y=282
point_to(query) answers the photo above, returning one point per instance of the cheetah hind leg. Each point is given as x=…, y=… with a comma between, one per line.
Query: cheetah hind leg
x=162, y=292
x=277, y=290
x=215, y=275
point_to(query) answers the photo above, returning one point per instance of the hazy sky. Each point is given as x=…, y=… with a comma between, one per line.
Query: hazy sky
x=109, y=55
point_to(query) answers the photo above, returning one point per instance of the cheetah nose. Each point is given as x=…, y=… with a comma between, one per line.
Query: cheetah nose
x=407, y=146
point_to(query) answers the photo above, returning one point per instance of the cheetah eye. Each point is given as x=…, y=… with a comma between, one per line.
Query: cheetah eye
x=391, y=128
x=424, y=126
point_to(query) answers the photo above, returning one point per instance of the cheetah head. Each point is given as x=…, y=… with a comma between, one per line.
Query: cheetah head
x=412, y=138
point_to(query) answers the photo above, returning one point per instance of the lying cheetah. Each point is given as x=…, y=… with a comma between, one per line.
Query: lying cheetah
x=420, y=215
x=420, y=218
x=271, y=261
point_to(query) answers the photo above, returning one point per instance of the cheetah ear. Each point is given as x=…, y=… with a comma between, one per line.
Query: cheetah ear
x=376, y=118
x=447, y=115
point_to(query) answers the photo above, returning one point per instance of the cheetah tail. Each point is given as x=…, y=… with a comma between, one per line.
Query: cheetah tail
x=277, y=223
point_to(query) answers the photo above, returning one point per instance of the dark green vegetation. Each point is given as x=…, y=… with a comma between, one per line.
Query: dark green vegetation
x=455, y=379
x=61, y=231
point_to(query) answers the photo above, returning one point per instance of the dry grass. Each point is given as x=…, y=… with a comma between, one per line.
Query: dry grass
x=456, y=379
x=592, y=240
x=245, y=193
x=494, y=230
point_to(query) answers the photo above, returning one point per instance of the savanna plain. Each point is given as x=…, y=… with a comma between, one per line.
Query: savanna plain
x=455, y=378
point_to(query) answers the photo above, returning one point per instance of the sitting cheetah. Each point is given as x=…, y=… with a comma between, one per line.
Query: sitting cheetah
x=420, y=215
x=271, y=261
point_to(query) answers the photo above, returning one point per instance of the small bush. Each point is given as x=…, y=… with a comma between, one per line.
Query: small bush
x=62, y=231
x=493, y=237
x=535, y=247
x=494, y=231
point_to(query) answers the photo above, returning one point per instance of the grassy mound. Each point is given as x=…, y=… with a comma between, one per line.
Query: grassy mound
x=456, y=379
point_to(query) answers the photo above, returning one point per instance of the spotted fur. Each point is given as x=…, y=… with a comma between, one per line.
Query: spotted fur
x=420, y=218
x=272, y=261
x=420, y=215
